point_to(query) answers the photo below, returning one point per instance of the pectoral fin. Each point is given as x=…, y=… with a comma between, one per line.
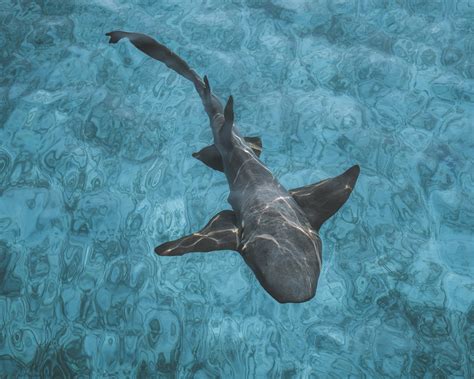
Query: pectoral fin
x=321, y=200
x=212, y=158
x=221, y=233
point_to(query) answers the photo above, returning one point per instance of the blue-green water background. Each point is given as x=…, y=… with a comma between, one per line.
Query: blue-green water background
x=96, y=169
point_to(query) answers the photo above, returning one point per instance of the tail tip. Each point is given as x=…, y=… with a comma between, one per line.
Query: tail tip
x=114, y=36
x=159, y=250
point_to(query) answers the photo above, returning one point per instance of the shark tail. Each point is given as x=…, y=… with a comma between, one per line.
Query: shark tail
x=163, y=54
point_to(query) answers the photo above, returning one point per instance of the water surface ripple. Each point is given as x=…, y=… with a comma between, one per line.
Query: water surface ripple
x=96, y=170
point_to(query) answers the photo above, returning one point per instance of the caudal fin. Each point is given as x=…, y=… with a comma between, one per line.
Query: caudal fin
x=161, y=53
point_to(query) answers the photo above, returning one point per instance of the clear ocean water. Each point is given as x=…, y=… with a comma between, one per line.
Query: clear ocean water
x=96, y=170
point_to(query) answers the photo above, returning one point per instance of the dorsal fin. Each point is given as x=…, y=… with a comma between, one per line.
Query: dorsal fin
x=211, y=157
x=226, y=131
x=321, y=200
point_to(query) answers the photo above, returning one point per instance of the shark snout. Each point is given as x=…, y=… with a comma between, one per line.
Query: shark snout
x=295, y=294
x=291, y=287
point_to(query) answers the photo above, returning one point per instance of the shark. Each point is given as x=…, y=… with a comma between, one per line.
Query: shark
x=275, y=230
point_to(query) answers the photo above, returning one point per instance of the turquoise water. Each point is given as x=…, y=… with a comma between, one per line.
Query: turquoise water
x=96, y=170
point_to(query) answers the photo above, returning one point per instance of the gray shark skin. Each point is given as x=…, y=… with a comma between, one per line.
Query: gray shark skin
x=275, y=231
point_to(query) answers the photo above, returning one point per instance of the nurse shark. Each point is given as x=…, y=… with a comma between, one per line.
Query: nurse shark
x=276, y=231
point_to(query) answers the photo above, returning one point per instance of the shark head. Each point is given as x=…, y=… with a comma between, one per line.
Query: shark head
x=285, y=257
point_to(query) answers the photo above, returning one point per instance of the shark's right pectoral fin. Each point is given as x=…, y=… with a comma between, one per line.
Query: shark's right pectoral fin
x=221, y=233
x=211, y=157
x=321, y=200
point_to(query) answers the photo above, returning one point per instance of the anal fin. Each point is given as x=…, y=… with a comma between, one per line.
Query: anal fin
x=321, y=200
x=221, y=233
x=211, y=157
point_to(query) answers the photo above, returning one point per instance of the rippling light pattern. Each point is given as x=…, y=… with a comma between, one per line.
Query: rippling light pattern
x=96, y=170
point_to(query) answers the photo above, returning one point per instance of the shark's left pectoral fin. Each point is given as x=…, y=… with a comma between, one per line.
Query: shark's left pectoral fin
x=221, y=233
x=321, y=200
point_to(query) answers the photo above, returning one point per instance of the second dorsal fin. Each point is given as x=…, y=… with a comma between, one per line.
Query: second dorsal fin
x=211, y=157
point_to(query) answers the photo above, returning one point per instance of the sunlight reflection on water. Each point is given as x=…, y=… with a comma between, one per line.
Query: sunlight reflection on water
x=96, y=170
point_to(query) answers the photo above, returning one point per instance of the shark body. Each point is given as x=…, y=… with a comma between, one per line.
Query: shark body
x=276, y=231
